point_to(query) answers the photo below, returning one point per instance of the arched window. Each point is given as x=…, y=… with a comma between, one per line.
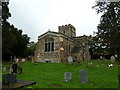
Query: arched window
x=49, y=44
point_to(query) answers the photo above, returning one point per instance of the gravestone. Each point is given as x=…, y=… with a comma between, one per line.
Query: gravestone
x=70, y=60
x=67, y=76
x=83, y=76
x=9, y=79
x=14, y=68
x=112, y=58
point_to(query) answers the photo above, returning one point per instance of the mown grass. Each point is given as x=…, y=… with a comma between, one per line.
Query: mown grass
x=51, y=75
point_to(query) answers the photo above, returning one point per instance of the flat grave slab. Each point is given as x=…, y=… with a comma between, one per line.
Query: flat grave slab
x=19, y=84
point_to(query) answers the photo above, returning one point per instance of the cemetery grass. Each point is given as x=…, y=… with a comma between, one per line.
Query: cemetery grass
x=51, y=75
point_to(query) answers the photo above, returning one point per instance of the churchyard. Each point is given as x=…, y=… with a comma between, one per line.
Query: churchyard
x=95, y=74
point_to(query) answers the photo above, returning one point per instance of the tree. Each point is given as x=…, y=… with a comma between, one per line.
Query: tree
x=109, y=28
x=21, y=41
x=92, y=47
x=14, y=43
x=6, y=45
x=30, y=49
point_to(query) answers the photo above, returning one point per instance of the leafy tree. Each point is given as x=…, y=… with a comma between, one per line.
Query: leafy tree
x=108, y=33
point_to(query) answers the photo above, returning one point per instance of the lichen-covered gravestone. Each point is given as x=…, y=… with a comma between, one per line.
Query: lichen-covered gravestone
x=112, y=58
x=67, y=76
x=83, y=76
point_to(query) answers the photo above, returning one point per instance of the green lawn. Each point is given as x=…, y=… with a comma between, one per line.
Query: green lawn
x=51, y=75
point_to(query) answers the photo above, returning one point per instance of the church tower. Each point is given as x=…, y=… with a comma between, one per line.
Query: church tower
x=68, y=30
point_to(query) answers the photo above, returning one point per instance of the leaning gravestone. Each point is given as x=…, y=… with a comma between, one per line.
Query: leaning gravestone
x=67, y=76
x=83, y=76
x=112, y=58
x=70, y=60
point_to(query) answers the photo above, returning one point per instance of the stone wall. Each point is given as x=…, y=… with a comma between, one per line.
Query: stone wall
x=77, y=57
x=65, y=49
x=42, y=56
x=83, y=43
x=62, y=49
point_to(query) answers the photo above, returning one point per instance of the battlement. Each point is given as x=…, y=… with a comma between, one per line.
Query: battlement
x=69, y=26
x=68, y=30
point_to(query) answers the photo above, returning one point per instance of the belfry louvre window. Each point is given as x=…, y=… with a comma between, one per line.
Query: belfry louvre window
x=49, y=44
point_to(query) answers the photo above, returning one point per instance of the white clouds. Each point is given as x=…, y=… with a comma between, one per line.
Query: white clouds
x=37, y=16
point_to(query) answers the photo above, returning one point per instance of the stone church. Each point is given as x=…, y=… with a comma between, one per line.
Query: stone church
x=58, y=46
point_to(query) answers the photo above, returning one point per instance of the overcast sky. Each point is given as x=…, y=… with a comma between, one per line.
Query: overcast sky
x=35, y=17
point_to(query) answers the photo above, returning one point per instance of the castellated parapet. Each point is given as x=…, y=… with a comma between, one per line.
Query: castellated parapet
x=68, y=30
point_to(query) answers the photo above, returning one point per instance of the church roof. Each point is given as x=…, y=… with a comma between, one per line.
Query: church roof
x=57, y=34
